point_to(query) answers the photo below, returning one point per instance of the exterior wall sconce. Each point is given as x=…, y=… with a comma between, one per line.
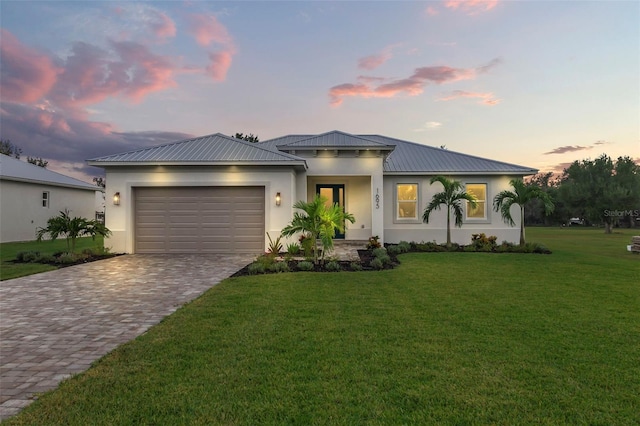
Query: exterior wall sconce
x=116, y=199
x=278, y=199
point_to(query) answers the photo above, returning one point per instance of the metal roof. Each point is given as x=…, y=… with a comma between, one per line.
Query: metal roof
x=336, y=140
x=411, y=157
x=210, y=149
x=19, y=171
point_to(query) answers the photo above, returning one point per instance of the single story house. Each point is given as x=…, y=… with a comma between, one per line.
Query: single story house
x=219, y=194
x=30, y=195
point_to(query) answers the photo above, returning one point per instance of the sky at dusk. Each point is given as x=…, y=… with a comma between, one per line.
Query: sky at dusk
x=536, y=83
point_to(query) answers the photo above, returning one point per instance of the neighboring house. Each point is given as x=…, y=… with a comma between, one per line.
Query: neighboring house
x=219, y=194
x=30, y=195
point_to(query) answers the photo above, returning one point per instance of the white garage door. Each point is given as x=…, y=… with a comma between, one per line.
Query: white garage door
x=199, y=219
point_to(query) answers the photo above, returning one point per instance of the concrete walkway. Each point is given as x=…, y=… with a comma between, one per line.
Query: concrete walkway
x=55, y=324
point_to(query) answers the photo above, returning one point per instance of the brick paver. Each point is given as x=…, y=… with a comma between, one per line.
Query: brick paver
x=55, y=324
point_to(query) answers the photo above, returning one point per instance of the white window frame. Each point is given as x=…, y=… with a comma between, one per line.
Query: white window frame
x=486, y=218
x=396, y=208
x=46, y=199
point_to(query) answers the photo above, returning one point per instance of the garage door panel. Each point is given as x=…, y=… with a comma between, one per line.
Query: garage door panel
x=199, y=219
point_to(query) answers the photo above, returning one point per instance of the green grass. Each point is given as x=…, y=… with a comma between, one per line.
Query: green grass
x=446, y=338
x=8, y=252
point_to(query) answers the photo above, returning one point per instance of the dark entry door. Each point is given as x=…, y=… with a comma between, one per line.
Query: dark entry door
x=335, y=195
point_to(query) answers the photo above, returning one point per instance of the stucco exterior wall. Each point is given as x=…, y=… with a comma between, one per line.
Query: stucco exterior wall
x=362, y=177
x=120, y=219
x=436, y=229
x=21, y=211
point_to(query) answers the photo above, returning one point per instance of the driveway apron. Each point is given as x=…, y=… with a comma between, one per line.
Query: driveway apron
x=55, y=324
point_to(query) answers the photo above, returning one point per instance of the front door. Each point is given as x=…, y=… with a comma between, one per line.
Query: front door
x=334, y=195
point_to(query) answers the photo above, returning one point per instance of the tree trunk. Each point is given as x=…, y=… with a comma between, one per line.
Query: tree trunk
x=522, y=242
x=448, y=228
x=608, y=227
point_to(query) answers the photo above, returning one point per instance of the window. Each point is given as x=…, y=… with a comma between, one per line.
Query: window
x=45, y=199
x=407, y=201
x=479, y=190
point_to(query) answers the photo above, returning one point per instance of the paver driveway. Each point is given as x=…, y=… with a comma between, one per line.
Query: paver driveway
x=55, y=324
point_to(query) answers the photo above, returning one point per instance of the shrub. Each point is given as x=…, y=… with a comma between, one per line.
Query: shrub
x=66, y=259
x=293, y=249
x=356, y=266
x=373, y=243
x=275, y=246
x=266, y=260
x=279, y=267
x=28, y=256
x=308, y=245
x=379, y=252
x=47, y=258
x=393, y=250
x=305, y=266
x=256, y=268
x=483, y=243
x=404, y=246
x=377, y=263
x=332, y=266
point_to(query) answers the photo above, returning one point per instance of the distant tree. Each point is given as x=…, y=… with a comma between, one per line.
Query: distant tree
x=100, y=181
x=38, y=162
x=12, y=150
x=249, y=138
x=452, y=198
x=8, y=148
x=593, y=189
x=534, y=211
x=521, y=195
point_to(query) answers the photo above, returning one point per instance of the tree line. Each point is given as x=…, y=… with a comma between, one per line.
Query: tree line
x=601, y=192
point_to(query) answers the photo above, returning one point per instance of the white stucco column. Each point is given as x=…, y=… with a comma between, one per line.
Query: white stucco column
x=377, y=206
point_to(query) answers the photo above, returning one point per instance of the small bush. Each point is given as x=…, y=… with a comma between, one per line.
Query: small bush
x=46, y=258
x=266, y=260
x=379, y=252
x=293, y=249
x=28, y=256
x=308, y=245
x=356, y=266
x=275, y=246
x=393, y=250
x=279, y=267
x=373, y=243
x=404, y=246
x=332, y=266
x=256, y=268
x=67, y=258
x=305, y=266
x=377, y=263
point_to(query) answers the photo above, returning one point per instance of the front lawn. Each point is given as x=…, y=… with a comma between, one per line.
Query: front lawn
x=8, y=252
x=446, y=338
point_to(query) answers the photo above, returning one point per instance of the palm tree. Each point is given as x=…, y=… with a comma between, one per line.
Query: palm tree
x=317, y=221
x=521, y=195
x=452, y=198
x=72, y=228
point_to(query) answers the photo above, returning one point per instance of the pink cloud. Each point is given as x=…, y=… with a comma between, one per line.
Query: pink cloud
x=412, y=85
x=163, y=26
x=471, y=7
x=91, y=75
x=27, y=75
x=207, y=29
x=432, y=11
x=219, y=65
x=485, y=98
x=374, y=61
